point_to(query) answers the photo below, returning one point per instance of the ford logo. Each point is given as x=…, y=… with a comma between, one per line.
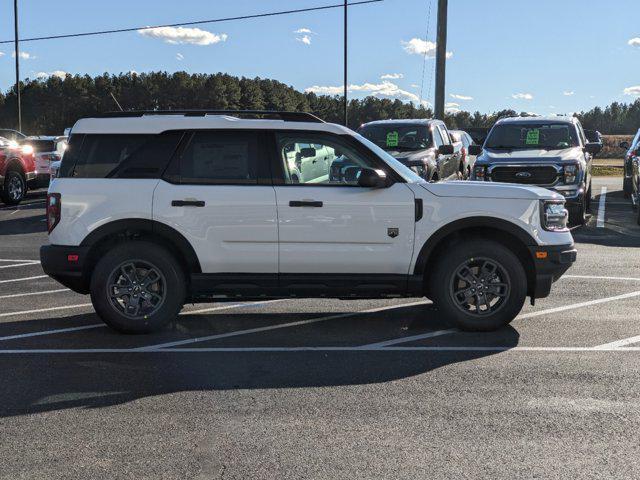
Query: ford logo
x=523, y=175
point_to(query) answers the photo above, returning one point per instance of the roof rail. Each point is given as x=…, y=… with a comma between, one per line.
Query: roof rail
x=264, y=114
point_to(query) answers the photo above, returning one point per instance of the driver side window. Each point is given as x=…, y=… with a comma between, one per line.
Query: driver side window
x=319, y=160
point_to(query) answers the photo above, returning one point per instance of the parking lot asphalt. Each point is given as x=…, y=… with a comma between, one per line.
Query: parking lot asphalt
x=325, y=388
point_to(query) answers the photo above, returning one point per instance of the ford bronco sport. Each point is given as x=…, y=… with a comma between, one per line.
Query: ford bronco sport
x=154, y=209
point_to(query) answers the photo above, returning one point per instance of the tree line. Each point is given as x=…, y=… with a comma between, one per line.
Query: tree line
x=50, y=105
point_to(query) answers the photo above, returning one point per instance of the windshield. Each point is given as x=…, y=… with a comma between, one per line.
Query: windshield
x=531, y=136
x=398, y=137
x=409, y=175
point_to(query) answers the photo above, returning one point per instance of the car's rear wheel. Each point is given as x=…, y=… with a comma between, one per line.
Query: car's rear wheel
x=137, y=287
x=479, y=285
x=14, y=188
x=627, y=186
x=578, y=213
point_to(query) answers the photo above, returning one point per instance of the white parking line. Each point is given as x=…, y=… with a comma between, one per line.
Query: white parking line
x=42, y=310
x=24, y=279
x=592, y=277
x=16, y=295
x=619, y=343
x=601, y=207
x=275, y=327
x=396, y=341
x=578, y=305
x=227, y=307
x=51, y=332
x=20, y=265
x=18, y=260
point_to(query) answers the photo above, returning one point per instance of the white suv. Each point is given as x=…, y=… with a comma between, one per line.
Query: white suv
x=154, y=209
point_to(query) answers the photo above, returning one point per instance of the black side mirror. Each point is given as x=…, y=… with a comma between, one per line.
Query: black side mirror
x=624, y=145
x=593, y=148
x=475, y=150
x=445, y=149
x=370, y=178
x=307, y=152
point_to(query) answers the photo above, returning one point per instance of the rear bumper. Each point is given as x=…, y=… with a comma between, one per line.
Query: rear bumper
x=550, y=262
x=57, y=263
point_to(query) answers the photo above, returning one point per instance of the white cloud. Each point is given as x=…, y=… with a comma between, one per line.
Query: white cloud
x=460, y=97
x=24, y=55
x=635, y=91
x=417, y=46
x=634, y=42
x=522, y=96
x=304, y=35
x=1, y=54
x=392, y=76
x=452, y=104
x=306, y=39
x=383, y=89
x=569, y=93
x=303, y=30
x=415, y=85
x=179, y=35
x=179, y=56
x=55, y=73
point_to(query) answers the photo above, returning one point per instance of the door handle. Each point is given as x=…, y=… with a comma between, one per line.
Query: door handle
x=187, y=203
x=305, y=203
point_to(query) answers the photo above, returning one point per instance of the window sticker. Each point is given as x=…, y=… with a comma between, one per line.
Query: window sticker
x=392, y=139
x=533, y=137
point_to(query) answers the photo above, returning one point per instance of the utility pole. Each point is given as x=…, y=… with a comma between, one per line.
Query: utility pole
x=346, y=7
x=17, y=52
x=441, y=58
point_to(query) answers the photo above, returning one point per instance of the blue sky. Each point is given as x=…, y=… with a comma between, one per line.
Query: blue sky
x=542, y=56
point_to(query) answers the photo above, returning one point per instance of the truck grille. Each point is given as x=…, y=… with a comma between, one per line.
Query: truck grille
x=534, y=175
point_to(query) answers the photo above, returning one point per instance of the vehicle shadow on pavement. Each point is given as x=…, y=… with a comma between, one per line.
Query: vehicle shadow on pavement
x=23, y=226
x=43, y=382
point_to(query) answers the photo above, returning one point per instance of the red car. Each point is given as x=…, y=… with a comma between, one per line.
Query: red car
x=17, y=169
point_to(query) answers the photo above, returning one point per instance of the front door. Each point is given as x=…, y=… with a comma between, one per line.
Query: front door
x=331, y=225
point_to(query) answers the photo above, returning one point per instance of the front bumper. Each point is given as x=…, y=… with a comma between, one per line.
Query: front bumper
x=61, y=264
x=550, y=263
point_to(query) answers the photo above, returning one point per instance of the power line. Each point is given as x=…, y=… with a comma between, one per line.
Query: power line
x=424, y=60
x=198, y=22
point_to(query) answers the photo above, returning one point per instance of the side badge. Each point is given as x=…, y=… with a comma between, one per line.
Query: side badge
x=393, y=232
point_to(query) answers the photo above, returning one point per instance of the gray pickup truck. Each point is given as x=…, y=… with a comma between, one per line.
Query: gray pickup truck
x=548, y=152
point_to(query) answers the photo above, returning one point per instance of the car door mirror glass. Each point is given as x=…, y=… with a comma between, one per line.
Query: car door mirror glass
x=593, y=148
x=369, y=178
x=445, y=149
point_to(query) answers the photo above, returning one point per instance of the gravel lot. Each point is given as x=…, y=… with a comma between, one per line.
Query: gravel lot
x=325, y=388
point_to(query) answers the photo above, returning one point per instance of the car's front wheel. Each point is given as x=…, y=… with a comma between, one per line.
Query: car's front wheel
x=14, y=189
x=478, y=285
x=578, y=213
x=137, y=287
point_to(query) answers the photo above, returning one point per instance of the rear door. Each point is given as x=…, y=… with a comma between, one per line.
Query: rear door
x=336, y=226
x=217, y=193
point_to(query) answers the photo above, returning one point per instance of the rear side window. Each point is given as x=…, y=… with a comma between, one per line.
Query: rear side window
x=71, y=155
x=42, y=145
x=219, y=157
x=123, y=156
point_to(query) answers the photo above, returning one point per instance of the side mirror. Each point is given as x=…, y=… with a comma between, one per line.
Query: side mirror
x=593, y=148
x=370, y=178
x=307, y=152
x=624, y=145
x=445, y=149
x=475, y=150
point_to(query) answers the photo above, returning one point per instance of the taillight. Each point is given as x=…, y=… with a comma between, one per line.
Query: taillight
x=54, y=207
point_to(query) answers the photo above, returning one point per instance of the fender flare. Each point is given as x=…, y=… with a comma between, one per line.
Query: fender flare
x=155, y=228
x=464, y=224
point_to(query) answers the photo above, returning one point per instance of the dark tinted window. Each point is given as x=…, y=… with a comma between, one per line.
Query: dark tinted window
x=41, y=145
x=221, y=157
x=397, y=137
x=71, y=155
x=124, y=156
x=533, y=136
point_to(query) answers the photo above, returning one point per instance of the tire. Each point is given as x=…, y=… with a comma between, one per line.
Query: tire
x=476, y=255
x=578, y=214
x=627, y=187
x=14, y=188
x=588, y=198
x=116, y=305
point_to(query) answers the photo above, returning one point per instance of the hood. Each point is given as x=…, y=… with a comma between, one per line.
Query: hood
x=407, y=157
x=490, y=190
x=523, y=156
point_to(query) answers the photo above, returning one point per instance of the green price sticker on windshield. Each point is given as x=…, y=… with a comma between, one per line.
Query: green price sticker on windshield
x=533, y=137
x=392, y=139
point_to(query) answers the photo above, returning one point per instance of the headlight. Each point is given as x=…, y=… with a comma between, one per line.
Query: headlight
x=571, y=173
x=479, y=172
x=554, y=215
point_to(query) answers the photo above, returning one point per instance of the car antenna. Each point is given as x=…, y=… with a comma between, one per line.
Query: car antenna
x=116, y=100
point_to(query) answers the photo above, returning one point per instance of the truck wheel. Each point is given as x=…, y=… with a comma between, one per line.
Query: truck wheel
x=14, y=188
x=627, y=187
x=479, y=285
x=578, y=213
x=137, y=287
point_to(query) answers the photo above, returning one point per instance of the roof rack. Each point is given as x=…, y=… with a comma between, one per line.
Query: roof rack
x=264, y=114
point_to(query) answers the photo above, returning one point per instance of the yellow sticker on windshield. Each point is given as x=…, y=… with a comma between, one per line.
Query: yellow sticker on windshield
x=392, y=139
x=533, y=137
